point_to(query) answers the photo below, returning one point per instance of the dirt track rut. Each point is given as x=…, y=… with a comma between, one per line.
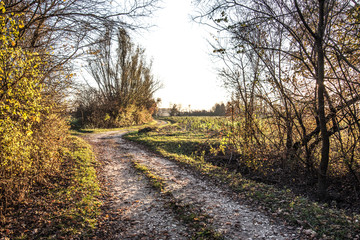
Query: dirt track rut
x=140, y=212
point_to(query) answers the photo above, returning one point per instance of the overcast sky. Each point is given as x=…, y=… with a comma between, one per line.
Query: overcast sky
x=181, y=58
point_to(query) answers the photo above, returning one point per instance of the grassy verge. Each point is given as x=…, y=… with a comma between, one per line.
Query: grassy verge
x=186, y=213
x=65, y=207
x=83, y=187
x=318, y=219
x=83, y=131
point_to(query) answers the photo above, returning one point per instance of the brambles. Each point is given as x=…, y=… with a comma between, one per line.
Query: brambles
x=38, y=39
x=33, y=130
x=293, y=64
x=262, y=147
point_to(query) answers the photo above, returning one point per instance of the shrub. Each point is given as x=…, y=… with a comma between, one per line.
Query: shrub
x=31, y=130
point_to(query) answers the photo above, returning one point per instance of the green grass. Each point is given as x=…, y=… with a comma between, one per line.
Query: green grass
x=82, y=188
x=177, y=143
x=156, y=181
x=83, y=131
x=194, y=219
x=64, y=207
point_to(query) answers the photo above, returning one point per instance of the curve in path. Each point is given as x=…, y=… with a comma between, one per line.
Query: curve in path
x=141, y=212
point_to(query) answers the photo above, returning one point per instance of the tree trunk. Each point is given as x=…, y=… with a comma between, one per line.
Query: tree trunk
x=322, y=178
x=289, y=158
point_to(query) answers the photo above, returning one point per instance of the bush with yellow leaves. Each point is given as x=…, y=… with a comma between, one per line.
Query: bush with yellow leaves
x=30, y=130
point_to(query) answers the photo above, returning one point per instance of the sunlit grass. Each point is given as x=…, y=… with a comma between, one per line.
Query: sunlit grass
x=156, y=181
x=83, y=131
x=66, y=206
x=177, y=143
x=80, y=190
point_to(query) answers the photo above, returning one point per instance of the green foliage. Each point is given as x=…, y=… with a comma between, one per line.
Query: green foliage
x=219, y=136
x=199, y=124
x=111, y=116
x=32, y=130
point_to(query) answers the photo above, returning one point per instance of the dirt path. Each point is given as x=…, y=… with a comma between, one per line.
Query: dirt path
x=137, y=211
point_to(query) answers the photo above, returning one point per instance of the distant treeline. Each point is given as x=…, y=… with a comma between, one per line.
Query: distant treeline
x=219, y=109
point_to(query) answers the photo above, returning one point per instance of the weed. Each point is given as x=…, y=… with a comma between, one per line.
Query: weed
x=80, y=195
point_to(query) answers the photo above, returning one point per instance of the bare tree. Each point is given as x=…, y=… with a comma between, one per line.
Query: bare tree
x=305, y=64
x=63, y=30
x=124, y=80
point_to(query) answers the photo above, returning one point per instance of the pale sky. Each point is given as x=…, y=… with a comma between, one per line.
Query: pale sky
x=181, y=58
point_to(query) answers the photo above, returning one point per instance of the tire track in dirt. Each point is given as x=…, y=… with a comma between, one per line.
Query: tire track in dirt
x=150, y=219
x=137, y=210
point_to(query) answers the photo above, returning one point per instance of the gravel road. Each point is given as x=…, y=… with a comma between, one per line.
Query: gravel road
x=135, y=210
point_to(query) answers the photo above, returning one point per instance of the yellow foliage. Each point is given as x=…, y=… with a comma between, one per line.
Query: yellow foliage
x=30, y=131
